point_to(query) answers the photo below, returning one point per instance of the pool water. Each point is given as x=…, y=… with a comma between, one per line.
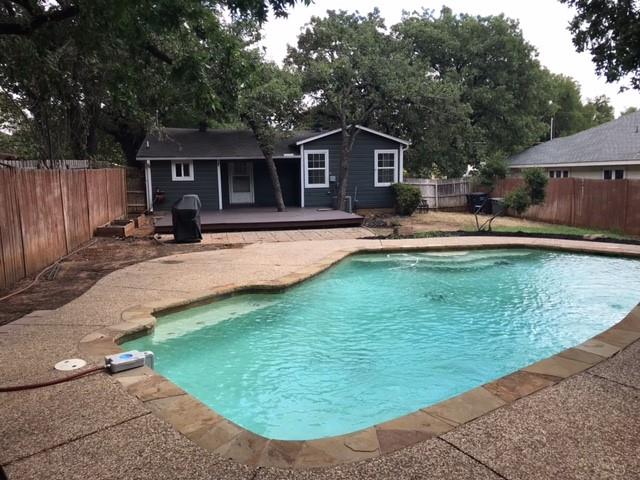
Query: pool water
x=382, y=335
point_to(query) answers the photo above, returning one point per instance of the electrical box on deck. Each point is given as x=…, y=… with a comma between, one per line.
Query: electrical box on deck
x=120, y=362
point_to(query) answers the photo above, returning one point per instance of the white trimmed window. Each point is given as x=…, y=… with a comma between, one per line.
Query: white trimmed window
x=613, y=174
x=558, y=173
x=316, y=167
x=386, y=167
x=182, y=171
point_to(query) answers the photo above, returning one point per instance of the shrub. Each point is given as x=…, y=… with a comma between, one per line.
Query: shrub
x=517, y=200
x=490, y=172
x=536, y=182
x=407, y=198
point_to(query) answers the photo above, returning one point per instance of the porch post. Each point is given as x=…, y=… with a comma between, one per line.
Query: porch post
x=219, y=187
x=401, y=166
x=148, y=187
x=302, y=176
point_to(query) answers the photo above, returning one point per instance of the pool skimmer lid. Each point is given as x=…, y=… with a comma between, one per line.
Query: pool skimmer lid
x=70, y=364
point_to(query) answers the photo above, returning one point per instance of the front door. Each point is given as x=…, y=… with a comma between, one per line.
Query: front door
x=241, y=182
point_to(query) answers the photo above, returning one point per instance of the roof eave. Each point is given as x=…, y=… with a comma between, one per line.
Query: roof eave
x=577, y=164
x=360, y=127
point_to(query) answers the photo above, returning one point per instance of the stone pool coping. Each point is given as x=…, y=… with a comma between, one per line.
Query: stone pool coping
x=215, y=433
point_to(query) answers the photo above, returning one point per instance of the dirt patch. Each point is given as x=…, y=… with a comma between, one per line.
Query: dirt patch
x=444, y=222
x=77, y=273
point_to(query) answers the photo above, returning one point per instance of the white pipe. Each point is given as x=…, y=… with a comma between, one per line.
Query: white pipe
x=219, y=187
x=302, y=174
x=149, y=188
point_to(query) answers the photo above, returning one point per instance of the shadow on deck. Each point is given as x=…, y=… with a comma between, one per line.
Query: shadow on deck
x=267, y=218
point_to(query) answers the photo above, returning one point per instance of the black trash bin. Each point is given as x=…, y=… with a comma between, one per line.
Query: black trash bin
x=186, y=219
x=478, y=202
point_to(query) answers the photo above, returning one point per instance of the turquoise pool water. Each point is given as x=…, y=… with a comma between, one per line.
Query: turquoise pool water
x=380, y=336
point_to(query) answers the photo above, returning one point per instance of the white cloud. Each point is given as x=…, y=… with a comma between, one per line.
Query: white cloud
x=544, y=25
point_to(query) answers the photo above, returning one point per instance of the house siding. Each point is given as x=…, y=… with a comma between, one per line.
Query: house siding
x=288, y=174
x=631, y=172
x=204, y=184
x=361, y=171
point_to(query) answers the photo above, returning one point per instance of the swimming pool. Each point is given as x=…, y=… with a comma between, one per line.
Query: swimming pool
x=380, y=336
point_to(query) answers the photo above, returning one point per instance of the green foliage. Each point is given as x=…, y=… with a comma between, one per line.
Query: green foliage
x=517, y=200
x=269, y=102
x=569, y=114
x=351, y=71
x=491, y=171
x=629, y=110
x=348, y=66
x=118, y=68
x=531, y=193
x=610, y=32
x=407, y=198
x=494, y=68
x=598, y=111
x=535, y=182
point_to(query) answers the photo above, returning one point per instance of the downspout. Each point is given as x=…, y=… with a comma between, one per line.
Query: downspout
x=302, y=174
x=401, y=169
x=149, y=188
x=219, y=187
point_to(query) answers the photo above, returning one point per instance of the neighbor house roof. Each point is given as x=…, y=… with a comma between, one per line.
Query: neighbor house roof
x=173, y=143
x=211, y=144
x=614, y=142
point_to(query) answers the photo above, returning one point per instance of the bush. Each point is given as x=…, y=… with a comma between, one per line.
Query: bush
x=490, y=172
x=536, y=182
x=407, y=198
x=517, y=200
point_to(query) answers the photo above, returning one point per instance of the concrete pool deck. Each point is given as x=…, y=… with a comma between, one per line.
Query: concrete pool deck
x=560, y=418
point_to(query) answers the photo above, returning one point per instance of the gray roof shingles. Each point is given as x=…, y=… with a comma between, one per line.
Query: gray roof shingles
x=193, y=143
x=611, y=142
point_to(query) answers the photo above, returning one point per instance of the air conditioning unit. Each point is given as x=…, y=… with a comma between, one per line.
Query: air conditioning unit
x=348, y=206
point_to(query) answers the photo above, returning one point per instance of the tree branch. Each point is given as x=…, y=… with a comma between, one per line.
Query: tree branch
x=38, y=21
x=159, y=54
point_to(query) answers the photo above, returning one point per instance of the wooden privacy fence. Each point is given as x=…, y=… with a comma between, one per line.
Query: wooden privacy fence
x=579, y=202
x=449, y=194
x=57, y=164
x=45, y=214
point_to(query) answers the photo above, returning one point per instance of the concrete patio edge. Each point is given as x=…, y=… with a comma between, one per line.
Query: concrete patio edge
x=215, y=433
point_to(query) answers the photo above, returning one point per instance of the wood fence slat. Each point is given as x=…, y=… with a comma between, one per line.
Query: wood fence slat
x=12, y=252
x=632, y=222
x=579, y=202
x=46, y=213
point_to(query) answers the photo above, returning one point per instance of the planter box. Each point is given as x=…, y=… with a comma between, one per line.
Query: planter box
x=119, y=228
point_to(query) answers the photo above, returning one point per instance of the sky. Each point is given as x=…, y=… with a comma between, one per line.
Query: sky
x=543, y=22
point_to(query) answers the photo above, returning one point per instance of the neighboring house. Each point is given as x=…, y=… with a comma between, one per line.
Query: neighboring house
x=227, y=169
x=608, y=152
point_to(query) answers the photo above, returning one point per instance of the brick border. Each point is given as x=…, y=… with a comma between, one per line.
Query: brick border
x=216, y=433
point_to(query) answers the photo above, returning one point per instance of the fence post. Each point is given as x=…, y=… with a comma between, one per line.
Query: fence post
x=626, y=205
x=65, y=227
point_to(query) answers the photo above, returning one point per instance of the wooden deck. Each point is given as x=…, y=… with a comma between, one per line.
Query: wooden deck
x=247, y=219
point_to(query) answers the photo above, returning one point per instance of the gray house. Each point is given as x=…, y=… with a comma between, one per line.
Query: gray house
x=610, y=151
x=227, y=169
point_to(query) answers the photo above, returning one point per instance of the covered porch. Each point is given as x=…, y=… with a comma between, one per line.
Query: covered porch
x=264, y=218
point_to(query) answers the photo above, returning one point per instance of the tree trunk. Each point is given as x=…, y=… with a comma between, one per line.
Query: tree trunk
x=92, y=132
x=348, y=138
x=275, y=181
x=266, y=139
x=129, y=139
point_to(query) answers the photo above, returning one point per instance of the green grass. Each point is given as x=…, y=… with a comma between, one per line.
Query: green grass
x=542, y=230
x=561, y=230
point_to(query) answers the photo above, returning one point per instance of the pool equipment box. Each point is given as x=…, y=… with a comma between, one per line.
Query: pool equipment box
x=128, y=360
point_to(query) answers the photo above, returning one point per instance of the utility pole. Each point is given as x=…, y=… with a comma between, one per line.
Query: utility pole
x=551, y=131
